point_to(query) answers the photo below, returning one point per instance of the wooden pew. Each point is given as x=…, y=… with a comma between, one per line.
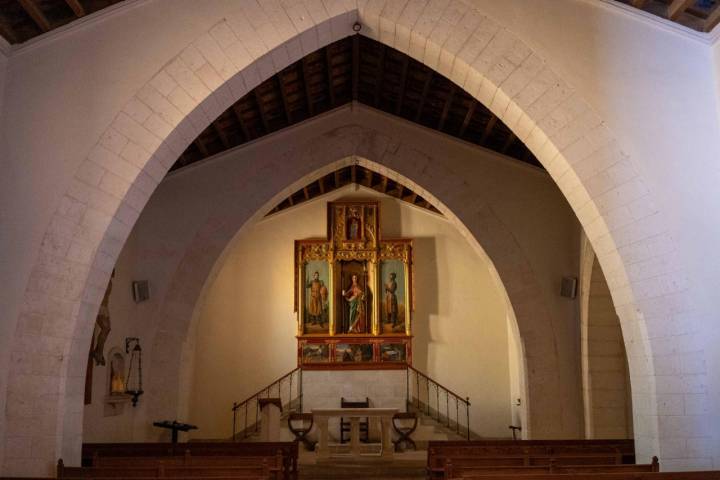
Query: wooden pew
x=460, y=469
x=528, y=453
x=165, y=471
x=714, y=475
x=94, y=454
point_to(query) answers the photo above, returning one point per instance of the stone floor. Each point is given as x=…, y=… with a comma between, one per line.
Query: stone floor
x=404, y=466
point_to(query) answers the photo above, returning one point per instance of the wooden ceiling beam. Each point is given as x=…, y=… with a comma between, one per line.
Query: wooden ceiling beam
x=368, y=177
x=76, y=7
x=379, y=76
x=353, y=174
x=7, y=32
x=638, y=3
x=329, y=72
x=355, y=66
x=508, y=143
x=261, y=111
x=383, y=184
x=321, y=185
x=488, y=129
x=446, y=107
x=291, y=201
x=221, y=134
x=283, y=97
x=712, y=19
x=403, y=81
x=468, y=117
x=34, y=11
x=243, y=125
x=201, y=146
x=423, y=96
x=306, y=192
x=677, y=7
x=337, y=178
x=306, y=83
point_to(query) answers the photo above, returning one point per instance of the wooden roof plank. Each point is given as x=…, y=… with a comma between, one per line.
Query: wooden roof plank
x=423, y=96
x=329, y=72
x=403, y=83
x=34, y=11
x=713, y=19
x=379, y=77
x=677, y=7
x=488, y=129
x=283, y=96
x=243, y=125
x=446, y=108
x=261, y=111
x=76, y=7
x=468, y=117
x=303, y=65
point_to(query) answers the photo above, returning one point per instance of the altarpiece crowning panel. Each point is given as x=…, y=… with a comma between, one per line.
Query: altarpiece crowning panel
x=354, y=293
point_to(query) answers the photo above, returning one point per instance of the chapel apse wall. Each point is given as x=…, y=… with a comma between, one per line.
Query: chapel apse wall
x=246, y=325
x=512, y=191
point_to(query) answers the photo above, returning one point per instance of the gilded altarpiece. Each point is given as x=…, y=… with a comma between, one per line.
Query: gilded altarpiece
x=354, y=293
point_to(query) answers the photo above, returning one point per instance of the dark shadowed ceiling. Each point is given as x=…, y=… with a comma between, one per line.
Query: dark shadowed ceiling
x=359, y=69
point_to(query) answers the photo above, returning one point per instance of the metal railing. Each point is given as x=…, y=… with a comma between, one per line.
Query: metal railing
x=437, y=402
x=246, y=414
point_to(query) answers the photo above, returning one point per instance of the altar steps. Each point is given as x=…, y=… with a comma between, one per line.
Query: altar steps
x=409, y=466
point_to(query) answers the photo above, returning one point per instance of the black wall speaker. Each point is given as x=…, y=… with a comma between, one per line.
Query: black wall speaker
x=141, y=291
x=568, y=288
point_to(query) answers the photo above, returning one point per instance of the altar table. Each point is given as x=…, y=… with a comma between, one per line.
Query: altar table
x=322, y=415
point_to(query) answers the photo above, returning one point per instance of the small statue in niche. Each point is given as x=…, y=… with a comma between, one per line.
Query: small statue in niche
x=354, y=231
x=117, y=374
x=102, y=326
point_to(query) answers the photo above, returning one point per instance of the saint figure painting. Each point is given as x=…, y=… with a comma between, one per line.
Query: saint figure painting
x=355, y=298
x=392, y=316
x=316, y=297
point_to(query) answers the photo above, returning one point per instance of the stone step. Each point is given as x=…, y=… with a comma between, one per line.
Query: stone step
x=355, y=471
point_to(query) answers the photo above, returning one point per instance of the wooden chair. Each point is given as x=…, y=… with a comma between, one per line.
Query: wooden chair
x=364, y=424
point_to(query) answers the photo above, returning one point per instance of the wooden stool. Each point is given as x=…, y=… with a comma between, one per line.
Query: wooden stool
x=302, y=432
x=404, y=432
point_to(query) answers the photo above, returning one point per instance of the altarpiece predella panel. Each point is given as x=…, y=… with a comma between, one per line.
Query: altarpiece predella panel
x=353, y=293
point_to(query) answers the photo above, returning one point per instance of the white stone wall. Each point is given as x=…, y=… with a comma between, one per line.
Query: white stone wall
x=607, y=388
x=579, y=82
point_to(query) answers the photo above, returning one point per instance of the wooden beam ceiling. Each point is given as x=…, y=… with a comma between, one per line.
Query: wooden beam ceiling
x=700, y=15
x=22, y=20
x=347, y=176
x=361, y=69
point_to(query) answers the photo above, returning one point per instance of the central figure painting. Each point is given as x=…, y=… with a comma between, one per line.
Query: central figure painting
x=354, y=293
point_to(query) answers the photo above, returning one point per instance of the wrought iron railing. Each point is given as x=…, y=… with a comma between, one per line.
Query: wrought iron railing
x=246, y=414
x=440, y=403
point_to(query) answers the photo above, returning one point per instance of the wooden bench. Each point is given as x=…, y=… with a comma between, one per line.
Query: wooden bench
x=165, y=471
x=468, y=469
x=509, y=453
x=96, y=454
x=708, y=475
